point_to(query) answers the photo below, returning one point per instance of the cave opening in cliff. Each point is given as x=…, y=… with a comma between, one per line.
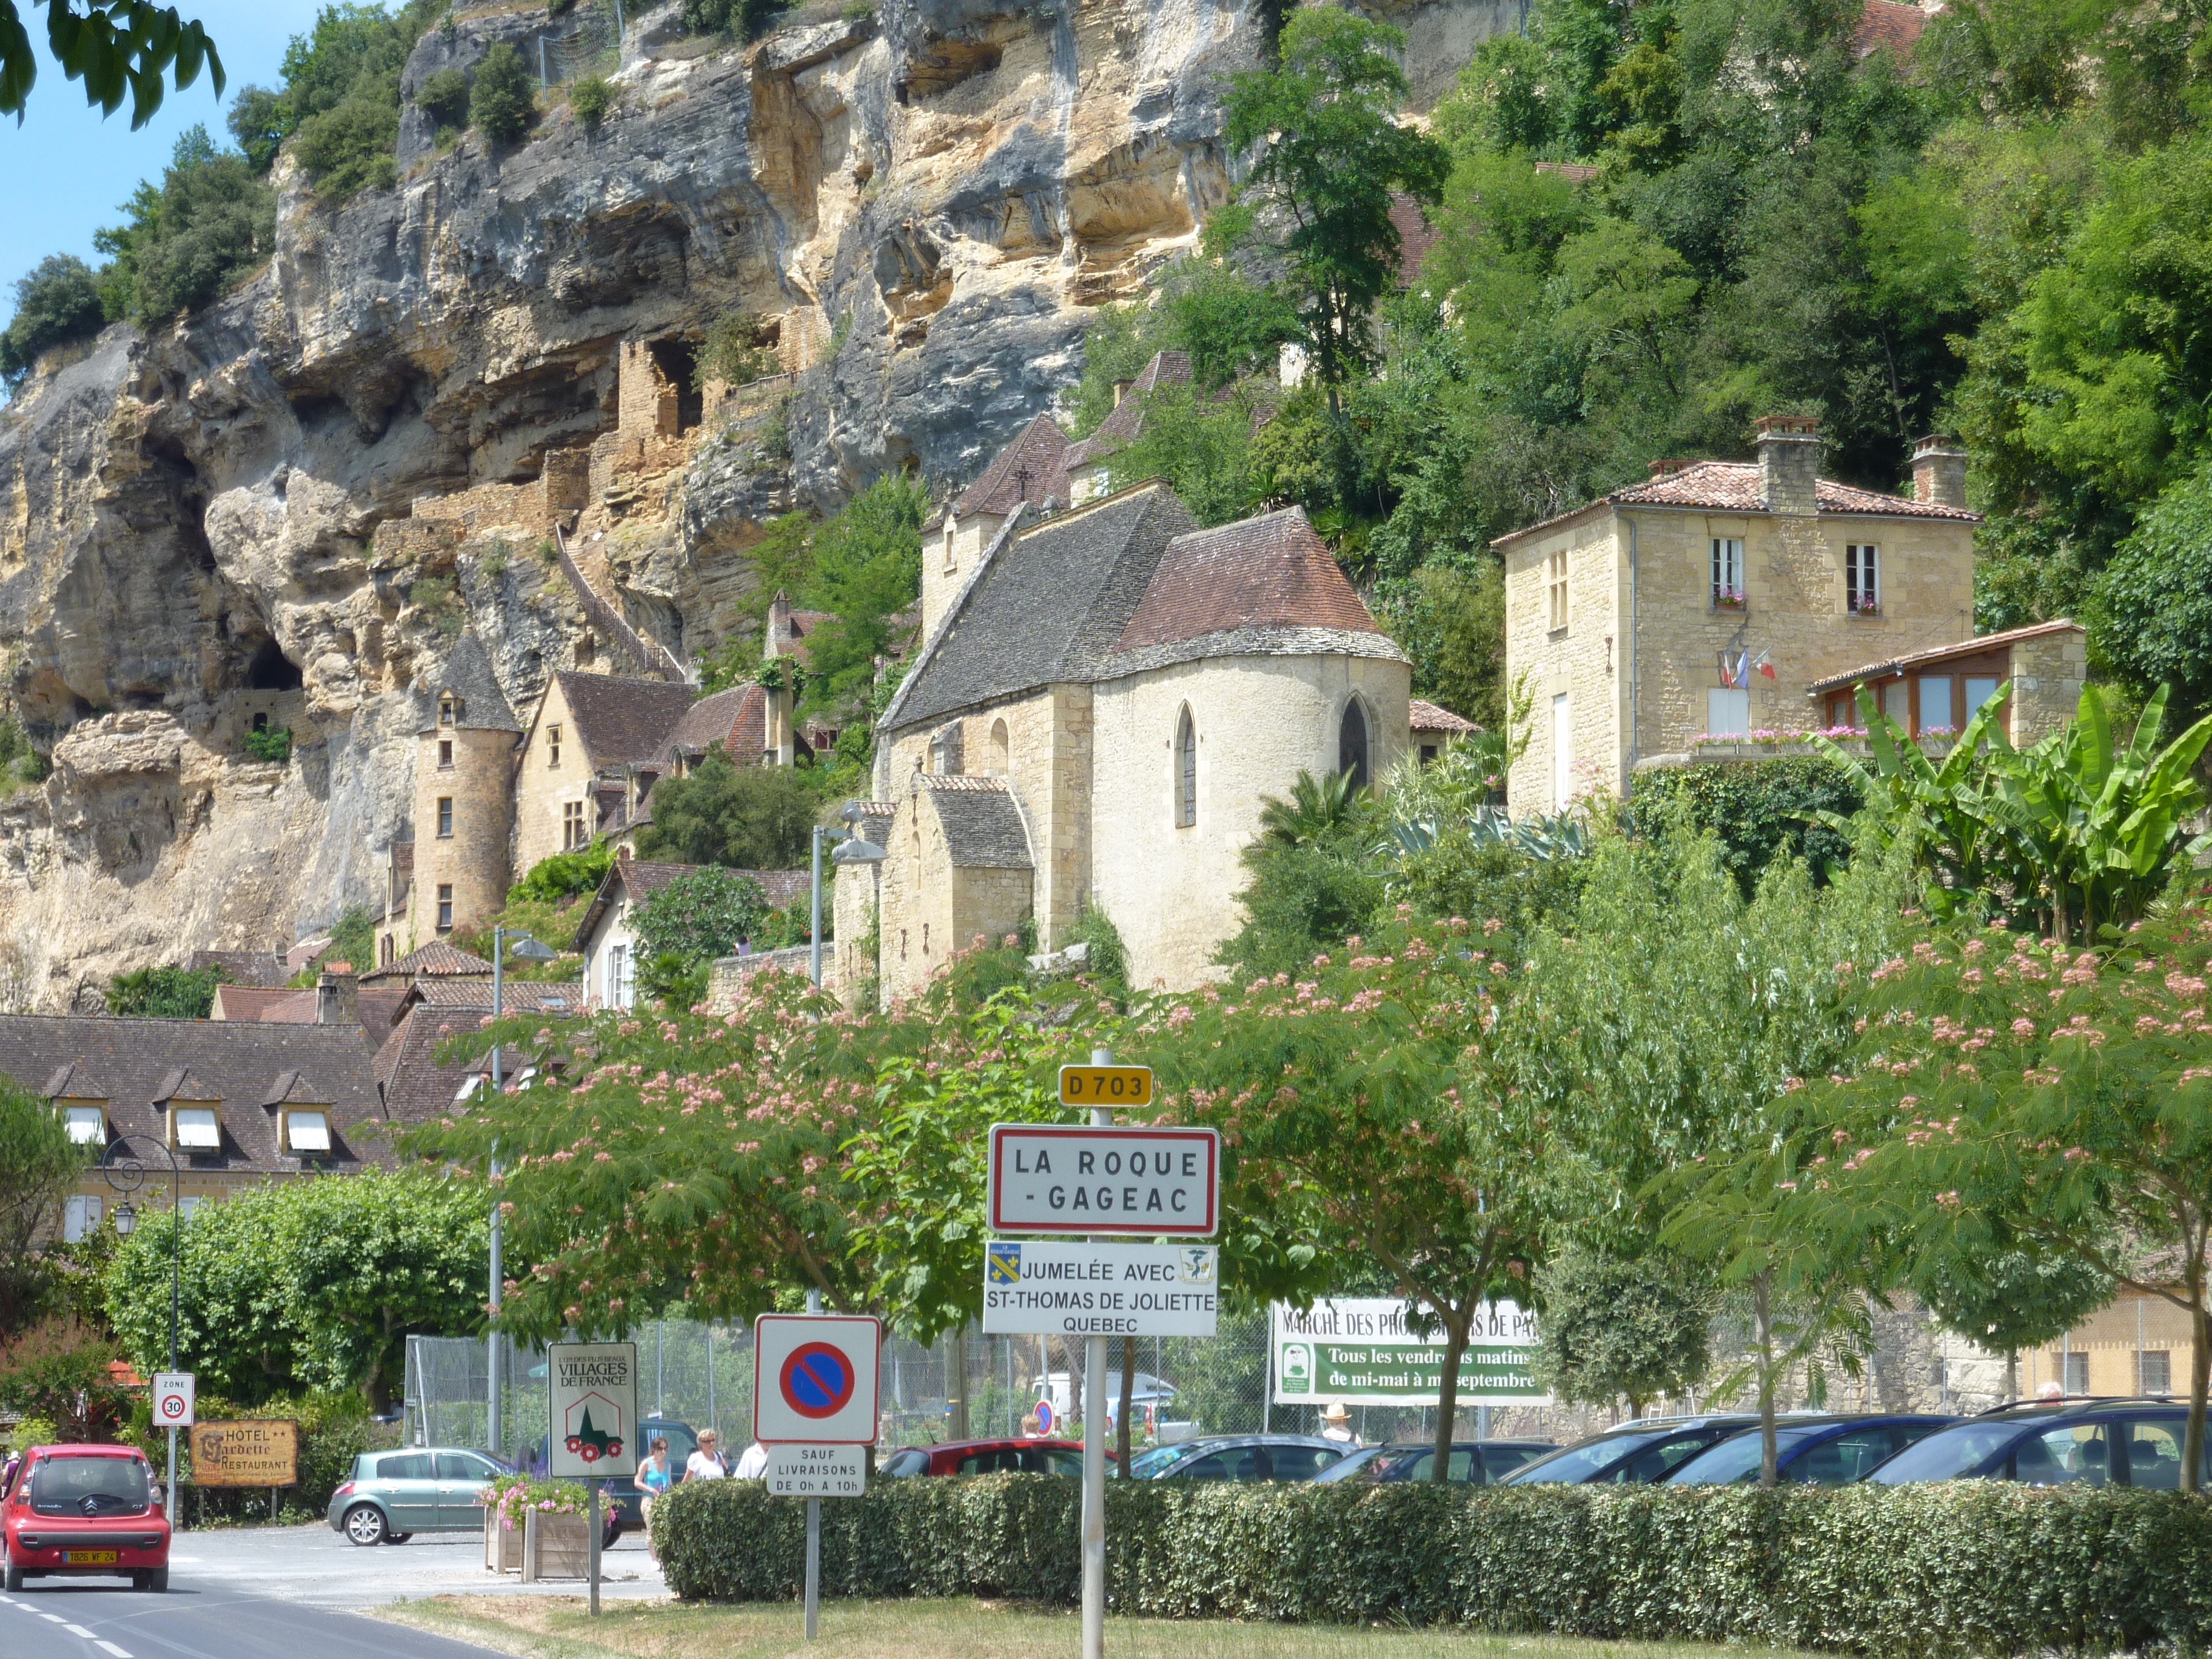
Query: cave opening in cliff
x=678, y=363
x=271, y=671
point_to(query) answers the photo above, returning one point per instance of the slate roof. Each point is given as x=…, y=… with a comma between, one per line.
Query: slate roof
x=1128, y=420
x=621, y=722
x=516, y=995
x=734, y=722
x=414, y=1086
x=1425, y=716
x=1033, y=468
x=141, y=1063
x=1272, y=571
x=1736, y=487
x=467, y=674
x=983, y=828
x=1974, y=648
x=1045, y=608
x=249, y=1001
x=435, y=958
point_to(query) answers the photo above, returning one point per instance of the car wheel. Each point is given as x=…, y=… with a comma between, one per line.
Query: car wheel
x=397, y=1537
x=15, y=1578
x=365, y=1524
x=156, y=1579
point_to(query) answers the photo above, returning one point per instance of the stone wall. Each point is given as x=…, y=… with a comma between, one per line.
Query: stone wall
x=1795, y=614
x=1261, y=720
x=2047, y=675
x=542, y=790
x=473, y=860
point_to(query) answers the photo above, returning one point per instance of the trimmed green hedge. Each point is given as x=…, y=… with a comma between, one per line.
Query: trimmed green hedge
x=1961, y=1568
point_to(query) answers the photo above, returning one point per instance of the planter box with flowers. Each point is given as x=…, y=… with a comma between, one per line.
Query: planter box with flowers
x=1729, y=599
x=1760, y=745
x=540, y=1527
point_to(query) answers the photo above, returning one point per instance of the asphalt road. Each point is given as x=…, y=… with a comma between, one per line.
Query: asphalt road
x=276, y=1593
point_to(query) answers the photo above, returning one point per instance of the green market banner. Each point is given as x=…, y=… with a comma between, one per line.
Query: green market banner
x=1359, y=1350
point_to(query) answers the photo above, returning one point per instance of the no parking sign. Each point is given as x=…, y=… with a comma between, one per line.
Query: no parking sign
x=814, y=1379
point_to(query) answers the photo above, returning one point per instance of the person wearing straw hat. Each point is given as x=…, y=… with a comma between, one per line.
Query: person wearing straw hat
x=1336, y=1424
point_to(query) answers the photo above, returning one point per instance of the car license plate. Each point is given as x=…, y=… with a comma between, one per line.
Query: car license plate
x=88, y=1558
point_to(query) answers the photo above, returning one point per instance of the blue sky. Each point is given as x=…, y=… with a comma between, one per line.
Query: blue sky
x=65, y=171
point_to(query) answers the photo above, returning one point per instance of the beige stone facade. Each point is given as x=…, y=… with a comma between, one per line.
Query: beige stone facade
x=554, y=807
x=1708, y=600
x=2139, y=1345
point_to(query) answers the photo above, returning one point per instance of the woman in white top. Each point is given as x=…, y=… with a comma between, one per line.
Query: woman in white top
x=706, y=1463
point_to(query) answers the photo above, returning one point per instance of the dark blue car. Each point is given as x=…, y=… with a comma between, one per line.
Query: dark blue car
x=1816, y=1451
x=1638, y=1453
x=2059, y=1442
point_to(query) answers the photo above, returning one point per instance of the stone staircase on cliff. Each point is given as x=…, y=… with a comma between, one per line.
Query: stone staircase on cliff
x=651, y=658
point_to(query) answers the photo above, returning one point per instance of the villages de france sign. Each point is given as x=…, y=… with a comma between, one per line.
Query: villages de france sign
x=593, y=1409
x=1360, y=1350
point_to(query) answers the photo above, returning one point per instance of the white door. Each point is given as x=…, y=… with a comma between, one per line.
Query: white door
x=1728, y=712
x=1563, y=754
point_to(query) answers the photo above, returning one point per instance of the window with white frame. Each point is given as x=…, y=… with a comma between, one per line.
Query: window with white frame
x=189, y=1208
x=88, y=1125
x=306, y=1132
x=1727, y=573
x=445, y=907
x=621, y=989
x=79, y=1218
x=1862, y=579
x=1555, y=581
x=195, y=1127
x=1728, y=712
x=572, y=833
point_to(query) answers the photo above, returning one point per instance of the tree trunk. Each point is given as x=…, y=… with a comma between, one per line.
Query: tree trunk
x=2200, y=1369
x=1456, y=1338
x=2012, y=1373
x=956, y=1383
x=1762, y=1303
x=1128, y=1402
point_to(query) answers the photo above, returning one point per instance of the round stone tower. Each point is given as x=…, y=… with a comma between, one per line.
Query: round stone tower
x=464, y=797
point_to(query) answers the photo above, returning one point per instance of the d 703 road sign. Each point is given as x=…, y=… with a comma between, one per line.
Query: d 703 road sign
x=1061, y=1178
x=1105, y=1085
x=814, y=1379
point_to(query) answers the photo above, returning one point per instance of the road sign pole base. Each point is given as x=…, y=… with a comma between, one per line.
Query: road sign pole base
x=813, y=1567
x=591, y=1545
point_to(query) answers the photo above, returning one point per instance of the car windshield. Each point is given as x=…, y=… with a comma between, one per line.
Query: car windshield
x=88, y=1485
x=1581, y=1462
x=1947, y=1455
x=1144, y=1465
x=1735, y=1459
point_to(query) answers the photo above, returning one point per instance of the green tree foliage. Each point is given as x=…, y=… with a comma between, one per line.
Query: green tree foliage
x=1312, y=884
x=566, y=875
x=38, y=1164
x=59, y=301
x=1326, y=154
x=312, y=1284
x=503, y=97
x=444, y=97
x=592, y=96
x=750, y=817
x=867, y=572
x=340, y=94
x=2006, y=1301
x=701, y=916
x=1760, y=810
x=57, y=1371
x=2013, y=1094
x=2154, y=602
x=1622, y=1327
x=747, y=19
x=112, y=47
x=1453, y=625
x=353, y=938
x=211, y=219
x=733, y=351
x=164, y=992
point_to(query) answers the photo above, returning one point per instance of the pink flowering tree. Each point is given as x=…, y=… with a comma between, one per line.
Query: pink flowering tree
x=2012, y=1094
x=1367, y=1116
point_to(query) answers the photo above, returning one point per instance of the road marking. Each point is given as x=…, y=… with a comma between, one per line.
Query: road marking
x=78, y=1630
x=119, y=1653
x=53, y=1617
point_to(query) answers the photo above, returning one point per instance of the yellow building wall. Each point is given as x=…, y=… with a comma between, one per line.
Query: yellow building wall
x=474, y=860
x=2111, y=1339
x=541, y=789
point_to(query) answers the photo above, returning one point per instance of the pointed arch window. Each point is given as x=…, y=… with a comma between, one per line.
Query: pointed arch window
x=1185, y=776
x=1352, y=745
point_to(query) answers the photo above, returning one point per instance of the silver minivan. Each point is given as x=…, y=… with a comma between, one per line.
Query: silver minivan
x=392, y=1495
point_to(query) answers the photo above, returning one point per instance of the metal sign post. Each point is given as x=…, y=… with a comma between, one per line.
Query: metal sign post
x=590, y=1423
x=174, y=1397
x=814, y=1408
x=1094, y=1394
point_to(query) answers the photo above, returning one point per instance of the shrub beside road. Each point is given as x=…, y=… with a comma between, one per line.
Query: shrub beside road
x=1952, y=1568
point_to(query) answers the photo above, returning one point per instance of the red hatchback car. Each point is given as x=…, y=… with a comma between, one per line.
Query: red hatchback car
x=991, y=1458
x=79, y=1511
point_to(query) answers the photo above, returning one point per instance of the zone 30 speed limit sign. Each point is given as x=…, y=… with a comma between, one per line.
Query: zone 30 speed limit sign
x=172, y=1400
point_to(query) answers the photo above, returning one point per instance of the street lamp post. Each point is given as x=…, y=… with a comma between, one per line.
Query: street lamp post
x=529, y=949
x=126, y=1175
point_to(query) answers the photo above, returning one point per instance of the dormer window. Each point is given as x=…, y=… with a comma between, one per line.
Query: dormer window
x=304, y=1130
x=87, y=1123
x=195, y=1128
x=449, y=710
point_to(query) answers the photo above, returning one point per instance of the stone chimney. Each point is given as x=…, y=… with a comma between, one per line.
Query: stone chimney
x=1789, y=462
x=1938, y=472
x=337, y=995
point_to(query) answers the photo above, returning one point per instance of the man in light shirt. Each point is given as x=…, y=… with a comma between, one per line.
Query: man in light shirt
x=753, y=1465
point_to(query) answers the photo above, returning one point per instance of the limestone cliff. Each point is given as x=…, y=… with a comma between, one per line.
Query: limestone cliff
x=290, y=504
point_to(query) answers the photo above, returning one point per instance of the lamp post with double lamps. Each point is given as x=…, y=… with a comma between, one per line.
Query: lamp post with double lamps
x=527, y=949
x=126, y=1175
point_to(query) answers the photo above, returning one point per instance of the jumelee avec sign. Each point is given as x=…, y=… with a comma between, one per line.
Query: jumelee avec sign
x=1059, y=1178
x=1059, y=1287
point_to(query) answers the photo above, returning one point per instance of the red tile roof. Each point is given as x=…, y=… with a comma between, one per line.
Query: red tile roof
x=734, y=722
x=1272, y=571
x=1423, y=716
x=1887, y=26
x=1735, y=487
x=435, y=958
x=248, y=1001
x=1033, y=468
